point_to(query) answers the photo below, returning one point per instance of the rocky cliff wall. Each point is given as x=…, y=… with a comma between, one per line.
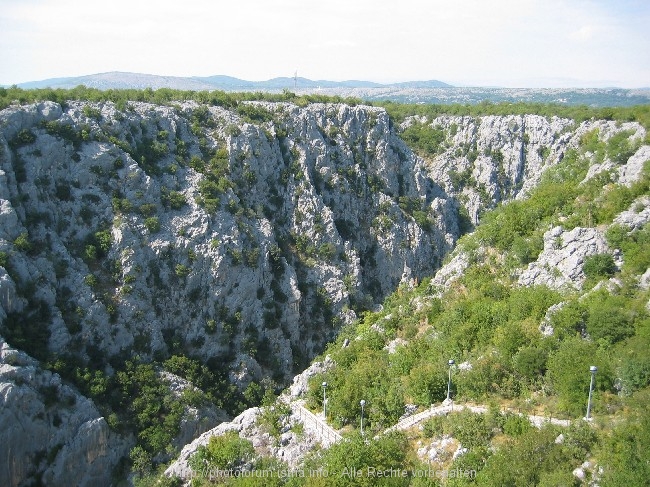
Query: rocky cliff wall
x=48, y=430
x=142, y=228
x=488, y=160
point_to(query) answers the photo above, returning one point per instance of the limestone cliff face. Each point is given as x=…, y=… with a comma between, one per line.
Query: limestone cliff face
x=133, y=242
x=539, y=145
x=493, y=159
x=48, y=430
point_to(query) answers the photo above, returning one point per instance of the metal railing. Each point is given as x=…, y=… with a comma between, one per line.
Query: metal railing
x=407, y=423
x=325, y=433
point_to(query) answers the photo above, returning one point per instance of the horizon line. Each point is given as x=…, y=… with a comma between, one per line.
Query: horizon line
x=579, y=86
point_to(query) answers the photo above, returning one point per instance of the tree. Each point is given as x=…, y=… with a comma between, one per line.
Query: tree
x=634, y=370
x=530, y=363
x=141, y=460
x=568, y=373
x=522, y=462
x=22, y=242
x=426, y=384
x=608, y=318
x=357, y=455
x=624, y=455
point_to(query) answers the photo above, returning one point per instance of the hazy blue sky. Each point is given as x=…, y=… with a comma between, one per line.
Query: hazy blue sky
x=464, y=42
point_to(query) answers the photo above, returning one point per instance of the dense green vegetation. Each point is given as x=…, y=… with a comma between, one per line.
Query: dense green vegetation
x=163, y=96
x=137, y=398
x=399, y=111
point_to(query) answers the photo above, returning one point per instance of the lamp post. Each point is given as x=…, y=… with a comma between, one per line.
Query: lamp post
x=324, y=401
x=362, y=403
x=450, y=363
x=593, y=369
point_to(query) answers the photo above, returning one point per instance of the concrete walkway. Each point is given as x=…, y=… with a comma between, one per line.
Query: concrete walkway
x=444, y=409
x=328, y=435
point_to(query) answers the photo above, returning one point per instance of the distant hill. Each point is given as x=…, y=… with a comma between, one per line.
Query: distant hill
x=117, y=80
x=429, y=92
x=122, y=80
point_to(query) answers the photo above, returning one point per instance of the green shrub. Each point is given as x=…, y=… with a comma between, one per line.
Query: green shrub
x=530, y=363
x=91, y=280
x=609, y=318
x=22, y=138
x=634, y=370
x=175, y=199
x=427, y=384
x=152, y=224
x=22, y=242
x=226, y=452
x=619, y=147
x=121, y=205
x=599, y=265
x=516, y=425
x=90, y=252
x=92, y=112
x=254, y=113
x=635, y=247
x=624, y=453
x=197, y=164
x=147, y=209
x=147, y=405
x=471, y=429
x=210, y=326
x=182, y=270
x=525, y=461
x=434, y=426
x=381, y=454
x=425, y=139
x=568, y=373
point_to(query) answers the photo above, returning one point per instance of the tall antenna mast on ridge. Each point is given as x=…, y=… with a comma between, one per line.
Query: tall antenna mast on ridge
x=295, y=80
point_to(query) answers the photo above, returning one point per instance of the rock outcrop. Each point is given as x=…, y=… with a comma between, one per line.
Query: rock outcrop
x=560, y=263
x=290, y=447
x=48, y=431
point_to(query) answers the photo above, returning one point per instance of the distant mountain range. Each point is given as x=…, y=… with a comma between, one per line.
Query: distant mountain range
x=117, y=80
x=432, y=91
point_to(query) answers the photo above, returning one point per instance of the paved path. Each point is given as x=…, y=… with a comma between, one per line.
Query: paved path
x=444, y=409
x=328, y=435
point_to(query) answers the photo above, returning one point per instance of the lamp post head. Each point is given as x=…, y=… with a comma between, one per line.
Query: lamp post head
x=451, y=362
x=324, y=384
x=362, y=402
x=593, y=369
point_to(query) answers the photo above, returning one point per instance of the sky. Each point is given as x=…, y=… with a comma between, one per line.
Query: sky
x=522, y=43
